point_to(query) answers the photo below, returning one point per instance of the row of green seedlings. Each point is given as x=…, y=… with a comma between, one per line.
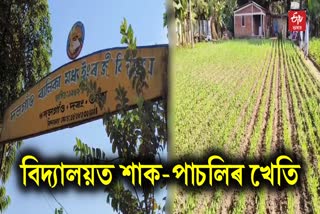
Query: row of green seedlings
x=191, y=199
x=287, y=131
x=306, y=135
x=189, y=105
x=213, y=97
x=261, y=71
x=234, y=147
x=227, y=108
x=253, y=99
x=242, y=95
x=225, y=95
x=312, y=99
x=260, y=195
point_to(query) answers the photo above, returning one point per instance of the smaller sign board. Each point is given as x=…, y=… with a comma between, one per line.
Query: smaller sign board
x=297, y=20
x=294, y=5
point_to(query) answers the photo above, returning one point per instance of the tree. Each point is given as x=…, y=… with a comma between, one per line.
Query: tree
x=201, y=11
x=139, y=133
x=181, y=14
x=313, y=8
x=219, y=13
x=4, y=199
x=25, y=39
x=182, y=23
x=8, y=157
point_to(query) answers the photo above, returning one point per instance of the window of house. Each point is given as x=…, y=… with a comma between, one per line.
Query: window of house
x=242, y=21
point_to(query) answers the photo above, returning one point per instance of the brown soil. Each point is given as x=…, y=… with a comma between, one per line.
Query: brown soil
x=251, y=206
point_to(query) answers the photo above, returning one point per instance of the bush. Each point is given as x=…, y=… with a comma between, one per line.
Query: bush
x=314, y=50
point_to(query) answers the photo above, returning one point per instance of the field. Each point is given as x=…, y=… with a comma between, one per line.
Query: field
x=250, y=99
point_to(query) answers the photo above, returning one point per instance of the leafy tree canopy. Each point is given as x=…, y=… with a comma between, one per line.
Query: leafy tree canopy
x=134, y=133
x=25, y=40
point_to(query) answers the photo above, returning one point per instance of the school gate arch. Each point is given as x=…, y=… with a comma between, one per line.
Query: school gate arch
x=56, y=102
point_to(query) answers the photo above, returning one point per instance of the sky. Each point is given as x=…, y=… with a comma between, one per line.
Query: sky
x=102, y=21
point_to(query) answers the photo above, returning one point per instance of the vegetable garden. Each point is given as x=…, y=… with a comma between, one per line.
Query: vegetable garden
x=249, y=99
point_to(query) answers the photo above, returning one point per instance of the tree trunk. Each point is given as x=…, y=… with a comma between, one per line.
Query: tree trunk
x=219, y=31
x=186, y=32
x=199, y=21
x=202, y=24
x=214, y=34
x=183, y=35
x=317, y=28
x=180, y=30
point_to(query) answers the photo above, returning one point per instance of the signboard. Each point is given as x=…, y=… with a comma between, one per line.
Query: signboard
x=57, y=102
x=75, y=40
x=297, y=20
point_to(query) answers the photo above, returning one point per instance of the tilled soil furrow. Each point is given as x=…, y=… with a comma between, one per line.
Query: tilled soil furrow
x=283, y=203
x=273, y=199
x=251, y=206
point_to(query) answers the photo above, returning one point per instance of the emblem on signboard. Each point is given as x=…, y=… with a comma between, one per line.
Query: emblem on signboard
x=75, y=40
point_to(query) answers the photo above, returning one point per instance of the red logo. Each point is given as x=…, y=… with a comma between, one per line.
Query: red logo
x=297, y=20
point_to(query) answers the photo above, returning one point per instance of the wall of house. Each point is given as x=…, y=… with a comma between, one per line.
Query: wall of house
x=256, y=10
x=245, y=31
